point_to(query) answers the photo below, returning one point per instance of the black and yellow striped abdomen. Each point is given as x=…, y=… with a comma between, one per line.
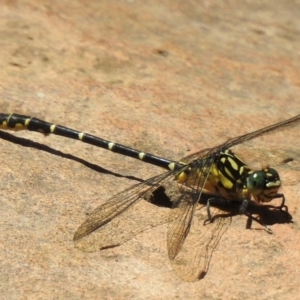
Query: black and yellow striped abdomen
x=17, y=122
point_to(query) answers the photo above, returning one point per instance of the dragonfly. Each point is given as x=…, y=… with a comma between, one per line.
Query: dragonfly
x=211, y=176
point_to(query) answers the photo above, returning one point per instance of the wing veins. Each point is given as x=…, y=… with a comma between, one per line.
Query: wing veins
x=181, y=215
x=118, y=204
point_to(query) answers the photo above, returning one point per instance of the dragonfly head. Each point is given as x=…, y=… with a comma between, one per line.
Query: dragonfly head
x=263, y=184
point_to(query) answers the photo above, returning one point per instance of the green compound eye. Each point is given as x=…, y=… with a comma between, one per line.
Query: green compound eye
x=256, y=182
x=261, y=181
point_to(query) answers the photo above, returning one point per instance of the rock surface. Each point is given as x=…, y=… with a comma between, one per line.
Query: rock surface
x=169, y=78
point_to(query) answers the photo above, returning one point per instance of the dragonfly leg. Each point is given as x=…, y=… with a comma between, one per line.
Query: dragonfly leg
x=243, y=210
x=244, y=206
x=282, y=205
x=216, y=201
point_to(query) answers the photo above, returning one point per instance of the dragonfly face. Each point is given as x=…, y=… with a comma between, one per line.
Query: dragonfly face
x=264, y=184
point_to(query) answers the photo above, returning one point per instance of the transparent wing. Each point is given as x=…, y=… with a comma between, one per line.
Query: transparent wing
x=192, y=262
x=182, y=212
x=198, y=155
x=263, y=131
x=246, y=137
x=181, y=216
x=118, y=220
x=94, y=233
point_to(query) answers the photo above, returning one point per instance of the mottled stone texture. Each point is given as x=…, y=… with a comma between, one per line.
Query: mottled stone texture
x=167, y=77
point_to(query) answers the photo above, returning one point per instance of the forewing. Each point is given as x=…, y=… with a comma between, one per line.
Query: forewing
x=197, y=155
x=263, y=131
x=272, y=129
